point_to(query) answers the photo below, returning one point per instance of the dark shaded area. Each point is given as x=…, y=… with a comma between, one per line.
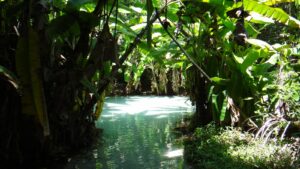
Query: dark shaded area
x=146, y=80
x=23, y=143
x=197, y=90
x=169, y=83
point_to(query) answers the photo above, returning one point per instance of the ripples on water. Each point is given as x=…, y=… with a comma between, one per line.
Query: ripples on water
x=137, y=134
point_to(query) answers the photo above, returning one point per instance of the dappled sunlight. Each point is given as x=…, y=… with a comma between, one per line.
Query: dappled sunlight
x=174, y=153
x=151, y=106
x=161, y=116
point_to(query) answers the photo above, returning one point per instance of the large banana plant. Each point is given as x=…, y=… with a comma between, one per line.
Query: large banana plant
x=236, y=85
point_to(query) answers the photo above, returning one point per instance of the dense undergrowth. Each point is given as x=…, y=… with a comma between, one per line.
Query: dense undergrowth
x=214, y=148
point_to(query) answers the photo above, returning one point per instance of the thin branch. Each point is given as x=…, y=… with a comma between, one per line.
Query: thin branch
x=183, y=50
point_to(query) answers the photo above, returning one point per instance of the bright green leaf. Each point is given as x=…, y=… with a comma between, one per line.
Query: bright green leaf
x=250, y=59
x=223, y=110
x=219, y=81
x=215, y=102
x=259, y=43
x=238, y=59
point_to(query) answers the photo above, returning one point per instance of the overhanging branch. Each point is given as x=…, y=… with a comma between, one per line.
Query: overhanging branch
x=183, y=50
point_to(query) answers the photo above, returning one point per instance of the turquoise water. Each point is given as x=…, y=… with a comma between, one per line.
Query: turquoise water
x=137, y=134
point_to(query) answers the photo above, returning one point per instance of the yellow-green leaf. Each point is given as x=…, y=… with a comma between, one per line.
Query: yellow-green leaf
x=29, y=70
x=100, y=104
x=219, y=80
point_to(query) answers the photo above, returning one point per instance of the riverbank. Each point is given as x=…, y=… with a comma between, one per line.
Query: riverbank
x=211, y=147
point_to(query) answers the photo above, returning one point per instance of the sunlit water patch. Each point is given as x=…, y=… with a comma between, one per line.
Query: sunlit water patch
x=137, y=134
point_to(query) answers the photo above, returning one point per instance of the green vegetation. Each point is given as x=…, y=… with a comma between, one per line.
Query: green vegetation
x=230, y=148
x=255, y=83
x=238, y=60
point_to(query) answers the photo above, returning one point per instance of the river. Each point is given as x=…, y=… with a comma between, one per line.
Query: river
x=137, y=134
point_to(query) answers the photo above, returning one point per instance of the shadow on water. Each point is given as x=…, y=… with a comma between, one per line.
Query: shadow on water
x=137, y=134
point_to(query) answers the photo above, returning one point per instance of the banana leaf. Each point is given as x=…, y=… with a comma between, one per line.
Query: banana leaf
x=274, y=2
x=28, y=65
x=276, y=14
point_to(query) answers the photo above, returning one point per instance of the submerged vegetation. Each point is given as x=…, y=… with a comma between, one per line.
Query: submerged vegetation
x=238, y=60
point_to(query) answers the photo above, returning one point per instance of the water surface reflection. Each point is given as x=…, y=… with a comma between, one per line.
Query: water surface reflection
x=138, y=133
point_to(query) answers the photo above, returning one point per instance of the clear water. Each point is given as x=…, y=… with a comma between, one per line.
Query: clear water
x=137, y=134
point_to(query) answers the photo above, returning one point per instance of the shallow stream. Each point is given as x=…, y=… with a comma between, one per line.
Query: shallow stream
x=137, y=134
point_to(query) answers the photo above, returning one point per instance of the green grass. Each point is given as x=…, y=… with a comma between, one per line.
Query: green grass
x=214, y=148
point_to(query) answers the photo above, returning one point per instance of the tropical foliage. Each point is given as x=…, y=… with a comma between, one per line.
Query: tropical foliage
x=58, y=59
